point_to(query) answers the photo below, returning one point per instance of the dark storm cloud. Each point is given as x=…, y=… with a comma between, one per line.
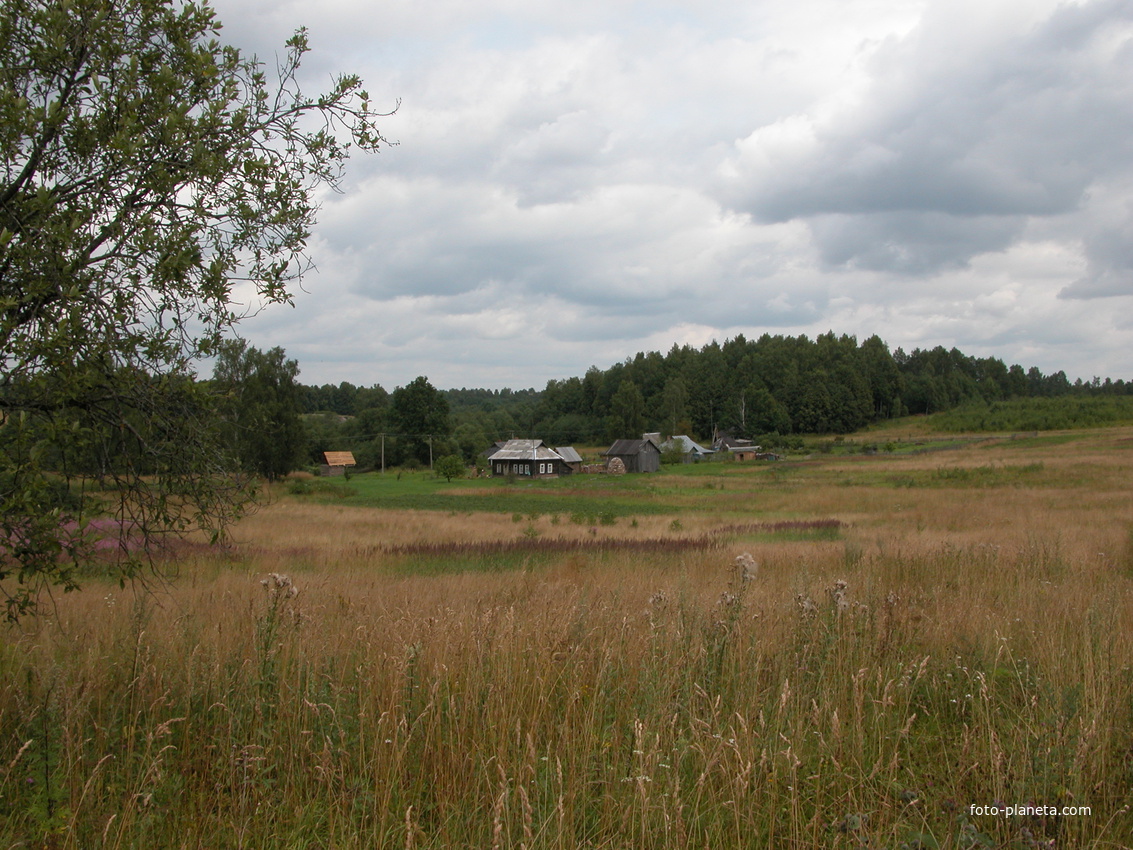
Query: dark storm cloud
x=909, y=244
x=1109, y=255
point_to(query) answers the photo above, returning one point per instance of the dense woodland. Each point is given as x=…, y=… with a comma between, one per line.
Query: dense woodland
x=773, y=389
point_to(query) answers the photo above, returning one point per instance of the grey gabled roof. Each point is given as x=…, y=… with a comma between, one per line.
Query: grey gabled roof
x=628, y=447
x=688, y=445
x=525, y=450
x=568, y=454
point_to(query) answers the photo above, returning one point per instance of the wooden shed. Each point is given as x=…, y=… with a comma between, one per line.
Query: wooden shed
x=336, y=463
x=572, y=460
x=637, y=455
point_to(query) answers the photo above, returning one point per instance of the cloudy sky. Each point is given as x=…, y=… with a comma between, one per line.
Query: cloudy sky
x=577, y=182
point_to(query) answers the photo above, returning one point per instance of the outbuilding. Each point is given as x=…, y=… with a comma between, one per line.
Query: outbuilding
x=572, y=460
x=691, y=451
x=637, y=455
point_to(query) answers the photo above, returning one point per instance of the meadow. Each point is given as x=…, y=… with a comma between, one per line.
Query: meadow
x=919, y=635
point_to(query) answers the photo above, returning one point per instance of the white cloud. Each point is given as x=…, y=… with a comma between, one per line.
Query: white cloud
x=575, y=184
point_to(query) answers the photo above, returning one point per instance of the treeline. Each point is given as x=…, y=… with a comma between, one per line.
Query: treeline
x=780, y=385
x=254, y=414
x=413, y=425
x=770, y=389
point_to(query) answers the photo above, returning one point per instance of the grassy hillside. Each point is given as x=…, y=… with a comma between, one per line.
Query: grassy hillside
x=1038, y=414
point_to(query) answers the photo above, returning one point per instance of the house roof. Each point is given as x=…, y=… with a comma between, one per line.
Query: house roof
x=525, y=450
x=628, y=447
x=687, y=445
x=568, y=454
x=726, y=442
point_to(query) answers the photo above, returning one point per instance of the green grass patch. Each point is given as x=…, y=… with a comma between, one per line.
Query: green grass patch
x=329, y=488
x=1039, y=442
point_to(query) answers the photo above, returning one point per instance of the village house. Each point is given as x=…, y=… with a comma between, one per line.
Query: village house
x=725, y=442
x=746, y=452
x=527, y=459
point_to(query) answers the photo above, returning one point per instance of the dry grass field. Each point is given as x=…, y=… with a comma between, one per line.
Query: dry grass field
x=924, y=634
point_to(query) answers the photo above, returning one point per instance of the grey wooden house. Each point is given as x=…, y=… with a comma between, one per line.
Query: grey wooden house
x=527, y=459
x=637, y=455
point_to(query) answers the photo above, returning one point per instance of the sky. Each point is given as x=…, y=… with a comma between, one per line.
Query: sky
x=575, y=183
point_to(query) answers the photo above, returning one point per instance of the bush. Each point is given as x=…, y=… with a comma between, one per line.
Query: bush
x=450, y=467
x=320, y=487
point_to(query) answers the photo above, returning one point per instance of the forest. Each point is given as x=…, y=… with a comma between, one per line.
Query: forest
x=773, y=389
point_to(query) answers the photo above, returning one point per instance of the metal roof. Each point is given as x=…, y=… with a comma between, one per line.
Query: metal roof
x=568, y=454
x=688, y=445
x=526, y=450
x=628, y=447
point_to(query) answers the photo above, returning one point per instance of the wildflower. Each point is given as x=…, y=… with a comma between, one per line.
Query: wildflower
x=838, y=595
x=746, y=566
x=277, y=584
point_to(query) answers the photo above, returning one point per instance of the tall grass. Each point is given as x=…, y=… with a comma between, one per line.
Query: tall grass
x=860, y=691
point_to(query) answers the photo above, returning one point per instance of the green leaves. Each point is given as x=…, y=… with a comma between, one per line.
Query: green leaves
x=259, y=408
x=145, y=168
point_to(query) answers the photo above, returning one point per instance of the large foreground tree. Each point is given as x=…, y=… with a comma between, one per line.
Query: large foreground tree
x=155, y=184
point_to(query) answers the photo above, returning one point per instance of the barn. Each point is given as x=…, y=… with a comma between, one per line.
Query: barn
x=637, y=455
